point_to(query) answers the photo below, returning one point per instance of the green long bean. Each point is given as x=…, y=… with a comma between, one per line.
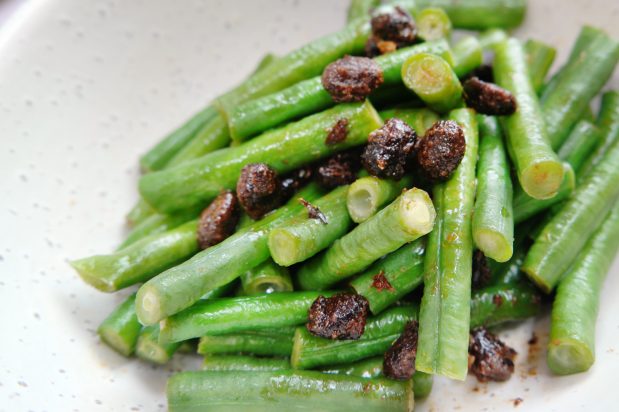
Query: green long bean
x=493, y=219
x=561, y=239
x=575, y=151
x=503, y=303
x=392, y=277
x=468, y=55
x=197, y=182
x=445, y=306
x=183, y=285
x=540, y=57
x=572, y=334
x=433, y=81
x=259, y=391
x=306, y=236
x=586, y=36
x=157, y=157
x=539, y=170
x=309, y=96
x=407, y=218
x=481, y=14
x=120, y=330
x=240, y=314
x=580, y=81
x=360, y=9
x=225, y=363
x=261, y=343
x=373, y=368
x=309, y=351
x=139, y=261
x=154, y=224
x=608, y=123
x=306, y=62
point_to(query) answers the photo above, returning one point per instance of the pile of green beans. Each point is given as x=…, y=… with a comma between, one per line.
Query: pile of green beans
x=535, y=193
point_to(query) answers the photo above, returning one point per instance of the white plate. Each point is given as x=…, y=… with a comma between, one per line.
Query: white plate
x=87, y=86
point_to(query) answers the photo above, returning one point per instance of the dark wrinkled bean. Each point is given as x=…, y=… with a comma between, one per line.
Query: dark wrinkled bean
x=218, y=220
x=397, y=26
x=340, y=169
x=441, y=150
x=339, y=317
x=399, y=361
x=488, y=98
x=351, y=79
x=489, y=358
x=258, y=190
x=388, y=149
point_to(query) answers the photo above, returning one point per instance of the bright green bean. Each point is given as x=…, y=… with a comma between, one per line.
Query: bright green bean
x=311, y=351
x=266, y=391
x=572, y=334
x=445, y=306
x=121, y=328
x=481, y=14
x=559, y=243
x=540, y=57
x=493, y=219
x=239, y=314
x=579, y=82
x=407, y=218
x=402, y=270
x=181, y=286
x=140, y=261
x=468, y=55
x=254, y=343
x=304, y=237
x=225, y=363
x=285, y=149
x=539, y=170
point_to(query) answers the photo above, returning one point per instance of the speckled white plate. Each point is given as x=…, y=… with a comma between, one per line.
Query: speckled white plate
x=85, y=88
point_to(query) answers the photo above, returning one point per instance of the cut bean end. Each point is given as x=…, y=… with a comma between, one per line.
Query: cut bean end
x=114, y=341
x=361, y=200
x=284, y=247
x=147, y=306
x=494, y=245
x=542, y=180
x=418, y=212
x=568, y=356
x=540, y=282
x=152, y=352
x=433, y=24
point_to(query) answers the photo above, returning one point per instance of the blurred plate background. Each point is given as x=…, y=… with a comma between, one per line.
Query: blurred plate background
x=87, y=86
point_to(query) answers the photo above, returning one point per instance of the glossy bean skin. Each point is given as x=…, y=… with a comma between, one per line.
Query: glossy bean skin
x=197, y=182
x=445, y=305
